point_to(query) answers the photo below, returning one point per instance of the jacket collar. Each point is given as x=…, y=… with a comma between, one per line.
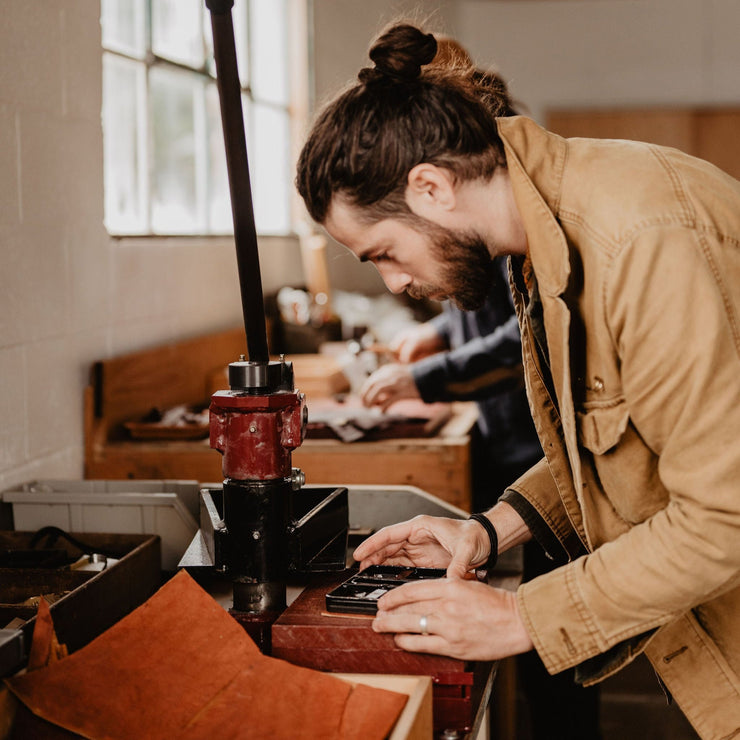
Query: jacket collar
x=536, y=160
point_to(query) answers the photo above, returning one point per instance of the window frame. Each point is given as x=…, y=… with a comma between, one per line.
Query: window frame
x=295, y=109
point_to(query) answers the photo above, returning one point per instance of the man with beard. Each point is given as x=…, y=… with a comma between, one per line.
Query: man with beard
x=625, y=271
x=470, y=355
x=477, y=355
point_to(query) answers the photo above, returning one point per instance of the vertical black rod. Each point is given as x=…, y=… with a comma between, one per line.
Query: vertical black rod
x=245, y=233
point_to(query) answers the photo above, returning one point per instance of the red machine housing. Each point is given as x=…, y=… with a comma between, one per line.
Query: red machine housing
x=257, y=433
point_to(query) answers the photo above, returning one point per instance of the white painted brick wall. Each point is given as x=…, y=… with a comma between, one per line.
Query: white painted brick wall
x=69, y=295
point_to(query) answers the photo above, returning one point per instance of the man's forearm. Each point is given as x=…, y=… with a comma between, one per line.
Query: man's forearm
x=510, y=527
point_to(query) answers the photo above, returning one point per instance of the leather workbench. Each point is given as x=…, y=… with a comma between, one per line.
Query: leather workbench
x=126, y=387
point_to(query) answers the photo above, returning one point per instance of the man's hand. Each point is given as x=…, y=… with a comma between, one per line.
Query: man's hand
x=464, y=619
x=416, y=342
x=388, y=384
x=458, y=545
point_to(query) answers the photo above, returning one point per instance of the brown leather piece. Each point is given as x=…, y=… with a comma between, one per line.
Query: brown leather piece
x=293, y=702
x=180, y=667
x=17, y=722
x=45, y=647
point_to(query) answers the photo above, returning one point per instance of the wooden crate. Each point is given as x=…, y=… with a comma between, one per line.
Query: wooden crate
x=90, y=601
x=415, y=722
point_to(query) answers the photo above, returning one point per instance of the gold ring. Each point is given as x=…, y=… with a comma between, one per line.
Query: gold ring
x=423, y=624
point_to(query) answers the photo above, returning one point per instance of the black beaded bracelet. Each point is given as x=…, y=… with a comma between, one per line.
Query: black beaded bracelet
x=483, y=520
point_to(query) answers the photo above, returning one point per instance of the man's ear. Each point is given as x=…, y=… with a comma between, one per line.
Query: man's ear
x=429, y=190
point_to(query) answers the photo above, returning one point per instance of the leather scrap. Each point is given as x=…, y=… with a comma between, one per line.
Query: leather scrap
x=45, y=647
x=180, y=666
x=16, y=721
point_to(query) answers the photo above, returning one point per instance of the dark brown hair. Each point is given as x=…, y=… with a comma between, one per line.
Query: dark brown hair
x=492, y=88
x=402, y=112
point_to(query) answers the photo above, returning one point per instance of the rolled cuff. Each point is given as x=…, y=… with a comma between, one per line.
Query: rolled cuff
x=537, y=487
x=535, y=523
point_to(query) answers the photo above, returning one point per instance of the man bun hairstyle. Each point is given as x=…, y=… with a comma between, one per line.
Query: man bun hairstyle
x=403, y=111
x=400, y=54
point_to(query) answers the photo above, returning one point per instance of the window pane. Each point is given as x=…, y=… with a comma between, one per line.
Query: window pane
x=177, y=31
x=268, y=30
x=270, y=169
x=208, y=42
x=219, y=202
x=124, y=26
x=241, y=39
x=125, y=145
x=165, y=164
x=174, y=101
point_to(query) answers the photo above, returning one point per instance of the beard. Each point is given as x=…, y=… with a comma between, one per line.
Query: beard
x=467, y=267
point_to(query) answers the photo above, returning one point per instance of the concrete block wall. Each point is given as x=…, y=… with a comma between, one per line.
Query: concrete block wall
x=54, y=264
x=608, y=53
x=69, y=294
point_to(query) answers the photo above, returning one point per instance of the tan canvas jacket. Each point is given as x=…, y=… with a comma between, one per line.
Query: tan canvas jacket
x=636, y=253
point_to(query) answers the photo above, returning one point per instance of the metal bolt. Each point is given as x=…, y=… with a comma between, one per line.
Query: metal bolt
x=255, y=534
x=253, y=429
x=297, y=478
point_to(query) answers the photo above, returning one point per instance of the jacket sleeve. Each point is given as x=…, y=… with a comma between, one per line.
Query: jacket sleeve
x=543, y=513
x=441, y=324
x=671, y=305
x=474, y=370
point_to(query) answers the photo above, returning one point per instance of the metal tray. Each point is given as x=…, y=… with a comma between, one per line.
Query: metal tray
x=360, y=593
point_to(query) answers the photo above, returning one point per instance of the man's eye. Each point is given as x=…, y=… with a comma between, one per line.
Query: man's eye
x=380, y=257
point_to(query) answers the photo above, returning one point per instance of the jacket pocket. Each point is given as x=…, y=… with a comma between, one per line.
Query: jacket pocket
x=619, y=468
x=600, y=428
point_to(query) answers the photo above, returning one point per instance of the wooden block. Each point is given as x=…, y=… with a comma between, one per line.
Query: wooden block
x=305, y=634
x=318, y=376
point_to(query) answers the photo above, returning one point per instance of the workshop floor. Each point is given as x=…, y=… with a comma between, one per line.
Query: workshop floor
x=632, y=705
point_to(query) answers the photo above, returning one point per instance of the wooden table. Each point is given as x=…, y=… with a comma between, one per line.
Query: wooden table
x=127, y=387
x=439, y=465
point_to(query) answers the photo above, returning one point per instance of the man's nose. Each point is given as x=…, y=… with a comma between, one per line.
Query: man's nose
x=396, y=280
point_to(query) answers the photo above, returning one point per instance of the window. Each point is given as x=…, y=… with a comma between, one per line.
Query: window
x=165, y=166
